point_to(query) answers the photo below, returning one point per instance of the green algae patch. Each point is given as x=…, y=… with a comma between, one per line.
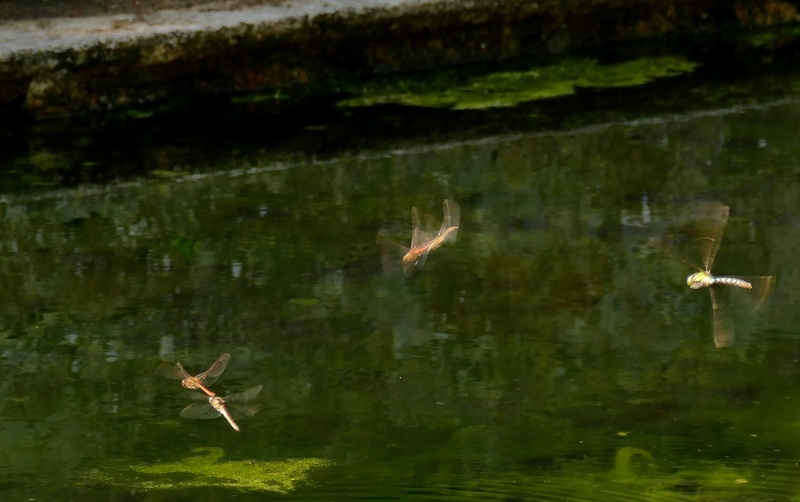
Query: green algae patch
x=206, y=470
x=506, y=89
x=629, y=462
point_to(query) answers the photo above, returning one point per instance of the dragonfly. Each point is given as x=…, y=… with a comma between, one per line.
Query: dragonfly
x=422, y=243
x=201, y=381
x=218, y=406
x=710, y=220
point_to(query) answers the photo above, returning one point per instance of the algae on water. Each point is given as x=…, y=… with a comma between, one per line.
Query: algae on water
x=510, y=88
x=204, y=470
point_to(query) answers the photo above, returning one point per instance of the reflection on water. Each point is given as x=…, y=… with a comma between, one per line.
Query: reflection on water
x=545, y=355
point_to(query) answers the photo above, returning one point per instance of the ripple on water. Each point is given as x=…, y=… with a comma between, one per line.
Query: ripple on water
x=632, y=475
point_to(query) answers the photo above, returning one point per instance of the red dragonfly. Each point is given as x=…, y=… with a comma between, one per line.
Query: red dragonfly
x=218, y=406
x=201, y=381
x=422, y=242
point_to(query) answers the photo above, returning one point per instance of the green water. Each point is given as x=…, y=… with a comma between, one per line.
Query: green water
x=548, y=354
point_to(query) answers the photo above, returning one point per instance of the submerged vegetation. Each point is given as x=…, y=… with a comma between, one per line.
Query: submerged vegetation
x=509, y=88
x=205, y=470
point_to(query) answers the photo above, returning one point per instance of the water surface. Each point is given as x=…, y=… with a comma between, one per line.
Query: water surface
x=549, y=354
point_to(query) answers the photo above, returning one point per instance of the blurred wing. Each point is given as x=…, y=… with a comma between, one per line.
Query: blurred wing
x=173, y=371
x=209, y=376
x=243, y=397
x=724, y=331
x=247, y=410
x=666, y=246
x=753, y=300
x=391, y=254
x=411, y=266
x=451, y=215
x=450, y=235
x=763, y=287
x=416, y=232
x=196, y=396
x=710, y=219
x=200, y=411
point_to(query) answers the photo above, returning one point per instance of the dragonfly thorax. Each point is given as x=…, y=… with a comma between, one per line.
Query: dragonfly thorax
x=700, y=280
x=217, y=402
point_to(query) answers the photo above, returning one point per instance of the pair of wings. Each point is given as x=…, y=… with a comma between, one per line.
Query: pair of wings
x=207, y=378
x=238, y=403
x=421, y=240
x=451, y=217
x=706, y=228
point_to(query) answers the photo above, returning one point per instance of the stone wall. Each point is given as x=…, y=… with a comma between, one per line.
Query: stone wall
x=146, y=51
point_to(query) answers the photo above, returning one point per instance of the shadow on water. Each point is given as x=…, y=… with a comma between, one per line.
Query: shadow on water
x=548, y=354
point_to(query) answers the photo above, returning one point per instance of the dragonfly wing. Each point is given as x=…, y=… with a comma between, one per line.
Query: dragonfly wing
x=244, y=397
x=451, y=215
x=710, y=220
x=754, y=299
x=247, y=410
x=391, y=254
x=763, y=287
x=724, y=331
x=209, y=376
x=414, y=260
x=173, y=371
x=666, y=245
x=416, y=232
x=200, y=411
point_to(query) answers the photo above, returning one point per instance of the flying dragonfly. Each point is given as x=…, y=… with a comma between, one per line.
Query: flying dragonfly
x=422, y=243
x=201, y=381
x=218, y=406
x=709, y=221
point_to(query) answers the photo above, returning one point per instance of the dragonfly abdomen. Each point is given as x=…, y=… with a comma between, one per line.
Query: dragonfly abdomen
x=704, y=279
x=733, y=281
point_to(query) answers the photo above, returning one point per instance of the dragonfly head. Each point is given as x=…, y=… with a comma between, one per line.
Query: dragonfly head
x=700, y=280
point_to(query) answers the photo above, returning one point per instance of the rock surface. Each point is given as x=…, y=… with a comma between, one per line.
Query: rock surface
x=104, y=56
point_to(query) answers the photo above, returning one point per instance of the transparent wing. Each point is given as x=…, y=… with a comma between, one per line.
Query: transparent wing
x=391, y=254
x=710, y=219
x=723, y=328
x=247, y=410
x=666, y=245
x=417, y=236
x=451, y=215
x=243, y=397
x=703, y=224
x=414, y=260
x=173, y=371
x=755, y=299
x=201, y=411
x=450, y=223
x=196, y=396
x=763, y=287
x=209, y=376
x=740, y=301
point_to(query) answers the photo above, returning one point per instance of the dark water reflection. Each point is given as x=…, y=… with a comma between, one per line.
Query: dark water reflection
x=546, y=355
